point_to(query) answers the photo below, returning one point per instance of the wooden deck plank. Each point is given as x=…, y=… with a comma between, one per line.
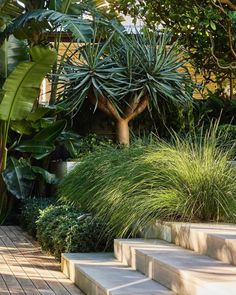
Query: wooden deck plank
x=26, y=270
x=16, y=269
x=3, y=287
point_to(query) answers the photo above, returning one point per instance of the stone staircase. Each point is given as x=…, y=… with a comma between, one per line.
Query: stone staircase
x=177, y=258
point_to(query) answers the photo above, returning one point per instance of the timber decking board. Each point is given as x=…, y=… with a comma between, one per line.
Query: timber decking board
x=25, y=270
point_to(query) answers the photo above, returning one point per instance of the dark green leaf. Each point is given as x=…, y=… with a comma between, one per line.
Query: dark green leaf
x=48, y=177
x=18, y=178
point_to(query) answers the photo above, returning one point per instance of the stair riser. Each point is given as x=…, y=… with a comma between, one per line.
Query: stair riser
x=122, y=253
x=67, y=269
x=74, y=273
x=201, y=242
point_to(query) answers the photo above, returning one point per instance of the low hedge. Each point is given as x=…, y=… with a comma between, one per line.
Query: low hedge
x=62, y=228
x=30, y=212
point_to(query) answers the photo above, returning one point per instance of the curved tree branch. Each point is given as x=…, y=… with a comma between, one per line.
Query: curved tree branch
x=104, y=105
x=142, y=105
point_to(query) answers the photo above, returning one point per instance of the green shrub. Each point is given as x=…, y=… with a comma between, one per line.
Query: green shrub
x=188, y=180
x=87, y=235
x=230, y=130
x=49, y=221
x=66, y=229
x=92, y=143
x=30, y=212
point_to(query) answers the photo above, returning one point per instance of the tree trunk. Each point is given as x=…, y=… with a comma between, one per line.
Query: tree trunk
x=122, y=131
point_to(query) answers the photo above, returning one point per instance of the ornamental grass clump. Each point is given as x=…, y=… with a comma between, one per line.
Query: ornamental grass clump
x=189, y=179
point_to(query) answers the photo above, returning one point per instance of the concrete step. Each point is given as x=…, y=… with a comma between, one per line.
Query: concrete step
x=183, y=271
x=101, y=274
x=215, y=240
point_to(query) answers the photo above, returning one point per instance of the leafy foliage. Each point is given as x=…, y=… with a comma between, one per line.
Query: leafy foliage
x=41, y=20
x=19, y=177
x=12, y=52
x=188, y=180
x=22, y=86
x=130, y=66
x=42, y=143
x=206, y=29
x=30, y=212
x=33, y=21
x=27, y=24
x=65, y=229
x=216, y=107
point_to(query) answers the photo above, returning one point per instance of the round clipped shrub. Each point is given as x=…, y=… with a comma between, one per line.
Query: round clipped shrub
x=64, y=228
x=89, y=234
x=30, y=212
x=48, y=222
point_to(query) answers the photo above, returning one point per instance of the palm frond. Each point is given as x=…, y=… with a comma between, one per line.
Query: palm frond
x=49, y=20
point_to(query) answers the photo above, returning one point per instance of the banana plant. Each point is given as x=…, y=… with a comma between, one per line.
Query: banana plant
x=20, y=91
x=18, y=95
x=43, y=143
x=12, y=52
x=34, y=20
x=21, y=175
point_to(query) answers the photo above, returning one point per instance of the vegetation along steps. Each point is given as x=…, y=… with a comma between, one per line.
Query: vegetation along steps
x=155, y=266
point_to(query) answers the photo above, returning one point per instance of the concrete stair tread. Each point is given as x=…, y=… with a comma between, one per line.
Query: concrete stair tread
x=109, y=276
x=224, y=231
x=215, y=240
x=201, y=270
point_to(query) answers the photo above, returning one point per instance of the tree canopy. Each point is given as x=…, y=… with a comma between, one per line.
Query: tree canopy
x=205, y=28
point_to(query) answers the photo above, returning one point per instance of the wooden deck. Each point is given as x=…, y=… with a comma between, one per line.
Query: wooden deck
x=24, y=269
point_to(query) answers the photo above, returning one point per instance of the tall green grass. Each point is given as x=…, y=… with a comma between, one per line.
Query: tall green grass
x=189, y=179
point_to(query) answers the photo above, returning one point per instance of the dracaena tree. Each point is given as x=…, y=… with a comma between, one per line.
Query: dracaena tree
x=124, y=76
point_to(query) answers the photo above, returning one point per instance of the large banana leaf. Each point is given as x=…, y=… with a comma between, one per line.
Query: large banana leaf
x=51, y=133
x=34, y=121
x=10, y=8
x=12, y=52
x=22, y=86
x=39, y=113
x=19, y=177
x=22, y=127
x=39, y=150
x=42, y=19
x=42, y=144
